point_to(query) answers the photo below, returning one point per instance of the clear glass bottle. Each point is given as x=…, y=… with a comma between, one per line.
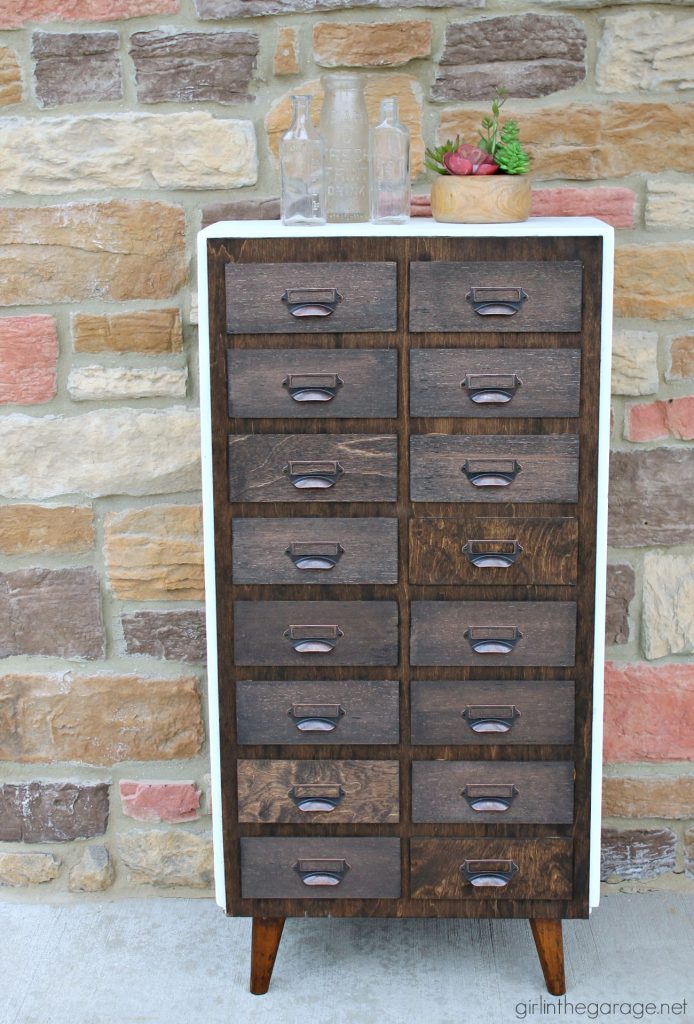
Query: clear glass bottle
x=345, y=132
x=301, y=168
x=390, y=167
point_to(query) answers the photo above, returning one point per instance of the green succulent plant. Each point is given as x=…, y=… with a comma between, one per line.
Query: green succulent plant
x=433, y=158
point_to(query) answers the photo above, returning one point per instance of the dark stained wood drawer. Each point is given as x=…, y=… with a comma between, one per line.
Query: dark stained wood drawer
x=483, y=869
x=310, y=383
x=295, y=867
x=315, y=550
x=312, y=467
x=494, y=382
x=351, y=711
x=493, y=633
x=316, y=632
x=310, y=298
x=486, y=296
x=492, y=550
x=318, y=791
x=493, y=468
x=498, y=792
x=489, y=711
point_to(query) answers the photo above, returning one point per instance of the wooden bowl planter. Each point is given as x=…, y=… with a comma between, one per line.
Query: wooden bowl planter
x=480, y=199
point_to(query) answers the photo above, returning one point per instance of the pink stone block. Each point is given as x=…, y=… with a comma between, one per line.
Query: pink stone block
x=653, y=421
x=649, y=712
x=15, y=13
x=160, y=801
x=616, y=206
x=28, y=356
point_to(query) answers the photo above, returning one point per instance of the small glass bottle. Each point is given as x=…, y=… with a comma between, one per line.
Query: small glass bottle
x=301, y=168
x=345, y=132
x=390, y=167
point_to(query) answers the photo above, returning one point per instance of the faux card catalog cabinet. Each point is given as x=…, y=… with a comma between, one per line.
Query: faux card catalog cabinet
x=404, y=456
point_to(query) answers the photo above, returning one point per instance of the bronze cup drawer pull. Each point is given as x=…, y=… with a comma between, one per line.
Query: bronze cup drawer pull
x=316, y=717
x=313, y=475
x=491, y=472
x=322, y=555
x=316, y=797
x=312, y=387
x=493, y=873
x=492, y=639
x=485, y=798
x=490, y=388
x=312, y=639
x=489, y=301
x=490, y=717
x=321, y=871
x=309, y=302
x=492, y=554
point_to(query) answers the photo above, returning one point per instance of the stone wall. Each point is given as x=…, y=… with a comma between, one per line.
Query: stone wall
x=125, y=124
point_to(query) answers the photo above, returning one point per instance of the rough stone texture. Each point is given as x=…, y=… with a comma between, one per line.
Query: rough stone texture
x=621, y=589
x=647, y=502
x=22, y=869
x=155, y=553
x=689, y=852
x=132, y=150
x=93, y=872
x=185, y=67
x=35, y=529
x=153, y=331
x=654, y=421
x=253, y=8
x=681, y=358
x=670, y=204
x=53, y=812
x=167, y=858
x=28, y=358
x=668, y=605
x=108, y=383
x=637, y=853
x=286, y=57
x=370, y=44
x=106, y=451
x=70, y=67
x=55, y=612
x=15, y=13
x=242, y=209
x=584, y=142
x=650, y=797
x=654, y=281
x=406, y=88
x=527, y=54
x=649, y=712
x=100, y=719
x=159, y=801
x=649, y=50
x=634, y=362
x=614, y=205
x=174, y=636
x=112, y=250
x=10, y=77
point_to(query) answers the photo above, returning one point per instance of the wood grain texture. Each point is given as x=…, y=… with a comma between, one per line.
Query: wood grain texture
x=481, y=199
x=549, y=943
x=265, y=941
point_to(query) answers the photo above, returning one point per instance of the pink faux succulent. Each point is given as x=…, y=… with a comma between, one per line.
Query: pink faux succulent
x=467, y=159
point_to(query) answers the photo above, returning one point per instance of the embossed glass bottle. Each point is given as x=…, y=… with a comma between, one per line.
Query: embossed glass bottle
x=390, y=167
x=345, y=132
x=301, y=168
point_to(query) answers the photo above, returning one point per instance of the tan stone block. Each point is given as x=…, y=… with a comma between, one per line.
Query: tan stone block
x=10, y=77
x=650, y=797
x=654, y=281
x=370, y=45
x=35, y=529
x=167, y=858
x=110, y=383
x=670, y=204
x=156, y=553
x=286, y=59
x=22, y=869
x=634, y=363
x=668, y=605
x=152, y=331
x=93, y=872
x=15, y=13
x=99, y=719
x=649, y=50
x=406, y=88
x=681, y=358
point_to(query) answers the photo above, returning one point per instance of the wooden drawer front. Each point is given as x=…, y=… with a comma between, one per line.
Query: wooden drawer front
x=316, y=632
x=355, y=711
x=294, y=867
x=489, y=550
x=493, y=468
x=498, y=792
x=493, y=633
x=310, y=298
x=493, y=382
x=483, y=869
x=312, y=467
x=318, y=791
x=490, y=712
x=315, y=550
x=518, y=296
x=310, y=383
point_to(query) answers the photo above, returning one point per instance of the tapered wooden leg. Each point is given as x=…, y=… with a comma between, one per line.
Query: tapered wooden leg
x=550, y=949
x=267, y=932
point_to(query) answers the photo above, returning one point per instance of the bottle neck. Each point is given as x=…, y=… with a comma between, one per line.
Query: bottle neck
x=389, y=111
x=301, y=114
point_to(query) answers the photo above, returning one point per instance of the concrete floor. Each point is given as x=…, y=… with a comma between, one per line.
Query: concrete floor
x=183, y=962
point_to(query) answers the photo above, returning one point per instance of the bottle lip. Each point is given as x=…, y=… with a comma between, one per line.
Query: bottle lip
x=342, y=76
